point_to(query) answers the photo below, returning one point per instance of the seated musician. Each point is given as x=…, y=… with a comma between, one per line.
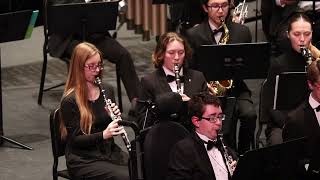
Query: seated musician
x=86, y=125
x=201, y=155
x=299, y=34
x=169, y=58
x=213, y=30
x=62, y=46
x=304, y=121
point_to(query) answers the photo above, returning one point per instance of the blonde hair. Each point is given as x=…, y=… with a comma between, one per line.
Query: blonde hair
x=76, y=83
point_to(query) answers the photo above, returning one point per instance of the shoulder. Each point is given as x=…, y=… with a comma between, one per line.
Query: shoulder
x=197, y=28
x=195, y=73
x=151, y=76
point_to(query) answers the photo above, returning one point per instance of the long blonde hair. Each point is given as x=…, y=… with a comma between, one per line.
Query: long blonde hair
x=76, y=83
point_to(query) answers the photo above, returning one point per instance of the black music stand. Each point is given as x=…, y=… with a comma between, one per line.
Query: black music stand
x=234, y=61
x=277, y=162
x=291, y=89
x=13, y=27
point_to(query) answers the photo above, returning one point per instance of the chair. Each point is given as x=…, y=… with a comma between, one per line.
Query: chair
x=262, y=120
x=47, y=32
x=157, y=145
x=58, y=146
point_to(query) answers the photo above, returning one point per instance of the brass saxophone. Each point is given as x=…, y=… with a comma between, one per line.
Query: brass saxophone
x=108, y=103
x=176, y=71
x=219, y=88
x=230, y=162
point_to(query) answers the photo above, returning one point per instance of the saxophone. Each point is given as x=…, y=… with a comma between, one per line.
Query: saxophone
x=176, y=71
x=108, y=103
x=306, y=53
x=228, y=158
x=219, y=88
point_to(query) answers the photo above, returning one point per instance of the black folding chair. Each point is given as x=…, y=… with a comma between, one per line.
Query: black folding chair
x=58, y=145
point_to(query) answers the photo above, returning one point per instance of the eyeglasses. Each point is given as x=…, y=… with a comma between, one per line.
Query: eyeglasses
x=93, y=67
x=216, y=6
x=214, y=119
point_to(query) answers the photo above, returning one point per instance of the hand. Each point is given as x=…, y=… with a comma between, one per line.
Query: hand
x=113, y=129
x=114, y=108
x=184, y=97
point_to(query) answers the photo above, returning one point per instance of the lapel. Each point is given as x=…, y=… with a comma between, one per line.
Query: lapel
x=203, y=155
x=163, y=84
x=313, y=127
x=187, y=82
x=208, y=34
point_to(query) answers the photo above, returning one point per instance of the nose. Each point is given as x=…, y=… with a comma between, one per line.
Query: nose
x=302, y=38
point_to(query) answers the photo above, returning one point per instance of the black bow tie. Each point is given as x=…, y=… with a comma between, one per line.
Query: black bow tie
x=171, y=78
x=211, y=144
x=214, y=32
x=318, y=108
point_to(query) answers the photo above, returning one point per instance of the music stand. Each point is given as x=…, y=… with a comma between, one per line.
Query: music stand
x=14, y=26
x=83, y=18
x=291, y=89
x=277, y=162
x=234, y=61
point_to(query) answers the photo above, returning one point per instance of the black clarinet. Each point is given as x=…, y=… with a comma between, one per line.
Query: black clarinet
x=113, y=116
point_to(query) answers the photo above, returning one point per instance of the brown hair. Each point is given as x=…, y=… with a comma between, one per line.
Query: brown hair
x=76, y=84
x=296, y=17
x=160, y=50
x=197, y=103
x=313, y=72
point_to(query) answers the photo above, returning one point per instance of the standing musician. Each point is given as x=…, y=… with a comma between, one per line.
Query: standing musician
x=86, y=125
x=202, y=155
x=304, y=121
x=169, y=59
x=219, y=29
x=62, y=46
x=299, y=34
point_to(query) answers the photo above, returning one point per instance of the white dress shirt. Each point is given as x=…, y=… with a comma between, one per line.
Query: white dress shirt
x=304, y=5
x=218, y=35
x=216, y=159
x=314, y=104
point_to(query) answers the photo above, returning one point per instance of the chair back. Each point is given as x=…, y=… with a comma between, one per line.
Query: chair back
x=157, y=146
x=263, y=118
x=58, y=145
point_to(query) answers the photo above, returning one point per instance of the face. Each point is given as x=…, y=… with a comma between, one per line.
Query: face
x=174, y=54
x=92, y=67
x=315, y=88
x=300, y=34
x=217, y=9
x=205, y=127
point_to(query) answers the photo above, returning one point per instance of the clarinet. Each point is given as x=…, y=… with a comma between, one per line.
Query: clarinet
x=108, y=103
x=176, y=71
x=306, y=53
x=226, y=155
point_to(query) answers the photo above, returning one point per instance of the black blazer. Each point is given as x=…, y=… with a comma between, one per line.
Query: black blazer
x=156, y=84
x=302, y=122
x=202, y=35
x=189, y=160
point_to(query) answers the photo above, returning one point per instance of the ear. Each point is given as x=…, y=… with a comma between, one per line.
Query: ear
x=195, y=121
x=287, y=34
x=205, y=8
x=310, y=84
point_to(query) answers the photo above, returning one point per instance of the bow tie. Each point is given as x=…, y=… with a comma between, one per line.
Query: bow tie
x=317, y=108
x=211, y=144
x=171, y=78
x=214, y=32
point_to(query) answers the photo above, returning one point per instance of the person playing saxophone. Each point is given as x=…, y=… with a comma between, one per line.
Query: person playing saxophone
x=201, y=155
x=218, y=28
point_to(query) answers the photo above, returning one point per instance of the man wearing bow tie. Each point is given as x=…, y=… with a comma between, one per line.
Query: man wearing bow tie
x=209, y=32
x=200, y=155
x=305, y=121
x=171, y=49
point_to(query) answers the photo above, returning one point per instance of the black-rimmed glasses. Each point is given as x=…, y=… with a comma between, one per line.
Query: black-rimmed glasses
x=214, y=119
x=217, y=6
x=93, y=67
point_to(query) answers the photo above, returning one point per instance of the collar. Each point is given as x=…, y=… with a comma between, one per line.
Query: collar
x=212, y=26
x=169, y=72
x=313, y=103
x=203, y=137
